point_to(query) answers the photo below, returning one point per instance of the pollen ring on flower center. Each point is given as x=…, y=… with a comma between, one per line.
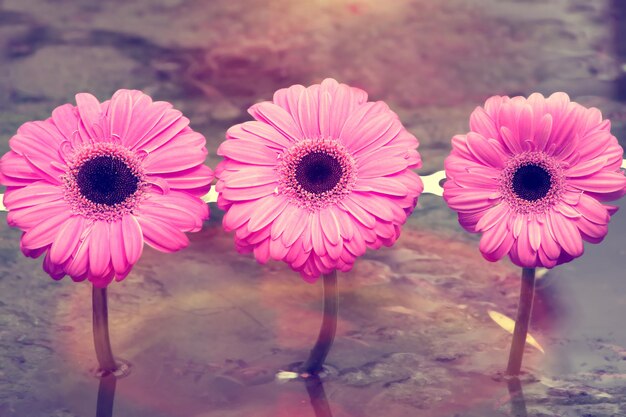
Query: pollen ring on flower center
x=316, y=173
x=531, y=182
x=104, y=181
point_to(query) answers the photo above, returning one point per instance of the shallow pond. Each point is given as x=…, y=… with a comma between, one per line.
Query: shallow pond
x=207, y=331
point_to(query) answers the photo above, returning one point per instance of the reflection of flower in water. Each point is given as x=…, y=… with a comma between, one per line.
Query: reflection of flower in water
x=318, y=178
x=531, y=175
x=90, y=184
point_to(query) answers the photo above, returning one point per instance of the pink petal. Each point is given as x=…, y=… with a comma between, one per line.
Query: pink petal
x=90, y=112
x=278, y=251
x=99, y=249
x=27, y=217
x=287, y=98
x=467, y=198
x=477, y=179
x=548, y=243
x=566, y=210
x=371, y=132
x=344, y=102
x=563, y=128
x=148, y=117
x=545, y=261
x=118, y=253
x=248, y=152
x=307, y=114
x=38, y=143
x=133, y=238
x=542, y=134
x=238, y=214
x=369, y=116
x=330, y=226
x=594, y=144
x=266, y=212
x=600, y=182
x=566, y=233
x=251, y=177
x=162, y=236
x=373, y=168
x=526, y=124
x=250, y=193
x=183, y=219
x=588, y=167
x=356, y=245
x=179, y=158
x=493, y=238
x=510, y=140
x=40, y=192
x=592, y=209
x=383, y=185
x=377, y=206
x=383, y=152
x=298, y=225
x=483, y=124
x=44, y=132
x=508, y=121
x=168, y=129
x=492, y=217
x=502, y=250
x=262, y=251
x=534, y=234
x=325, y=101
x=260, y=132
x=68, y=239
x=282, y=222
x=525, y=253
x=278, y=118
x=197, y=178
x=44, y=233
x=56, y=271
x=120, y=112
x=486, y=152
x=16, y=171
x=183, y=202
x=65, y=118
x=317, y=238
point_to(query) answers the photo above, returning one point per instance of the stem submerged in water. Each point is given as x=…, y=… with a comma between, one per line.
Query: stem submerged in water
x=526, y=296
x=101, y=331
x=106, y=396
x=315, y=363
x=317, y=395
x=518, y=403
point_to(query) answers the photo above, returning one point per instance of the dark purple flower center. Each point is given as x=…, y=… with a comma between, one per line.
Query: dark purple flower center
x=531, y=182
x=106, y=180
x=318, y=172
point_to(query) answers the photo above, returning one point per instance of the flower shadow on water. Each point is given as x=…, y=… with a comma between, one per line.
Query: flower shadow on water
x=317, y=395
x=106, y=396
x=518, y=402
x=314, y=387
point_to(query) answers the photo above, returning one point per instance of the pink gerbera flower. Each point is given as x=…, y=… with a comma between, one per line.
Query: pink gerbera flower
x=531, y=175
x=319, y=177
x=91, y=184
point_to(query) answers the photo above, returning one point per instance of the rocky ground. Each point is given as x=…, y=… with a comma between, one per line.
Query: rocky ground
x=206, y=329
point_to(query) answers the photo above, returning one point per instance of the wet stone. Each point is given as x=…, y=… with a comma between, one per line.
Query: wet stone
x=75, y=69
x=206, y=329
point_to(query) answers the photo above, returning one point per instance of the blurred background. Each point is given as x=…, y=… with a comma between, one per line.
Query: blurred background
x=206, y=329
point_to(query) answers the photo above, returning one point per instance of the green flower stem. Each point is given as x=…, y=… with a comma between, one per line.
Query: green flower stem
x=527, y=293
x=314, y=364
x=101, y=331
